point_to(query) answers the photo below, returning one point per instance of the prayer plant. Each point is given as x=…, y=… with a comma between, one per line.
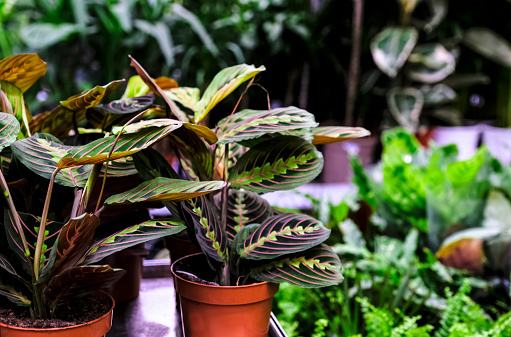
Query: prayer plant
x=254, y=152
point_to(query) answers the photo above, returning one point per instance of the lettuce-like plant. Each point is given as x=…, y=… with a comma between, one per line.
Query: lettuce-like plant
x=45, y=264
x=255, y=151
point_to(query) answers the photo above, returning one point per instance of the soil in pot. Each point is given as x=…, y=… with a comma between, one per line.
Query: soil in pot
x=216, y=311
x=94, y=313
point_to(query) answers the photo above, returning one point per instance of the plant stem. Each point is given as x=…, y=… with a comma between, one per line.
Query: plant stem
x=42, y=226
x=356, y=37
x=226, y=272
x=82, y=206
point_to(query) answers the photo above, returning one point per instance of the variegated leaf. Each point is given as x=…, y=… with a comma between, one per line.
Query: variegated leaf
x=405, y=105
x=209, y=232
x=202, y=131
x=235, y=152
x=6, y=265
x=316, y=267
x=136, y=87
x=430, y=63
x=391, y=48
x=136, y=127
x=20, y=111
x=41, y=154
x=9, y=129
x=57, y=122
x=194, y=154
x=336, y=134
x=133, y=235
x=127, y=144
x=79, y=281
x=165, y=189
x=222, y=85
x=282, y=163
x=90, y=98
x=437, y=94
x=243, y=208
x=22, y=70
x=151, y=164
x=121, y=167
x=248, y=124
x=279, y=235
x=128, y=105
x=186, y=96
x=5, y=104
x=14, y=296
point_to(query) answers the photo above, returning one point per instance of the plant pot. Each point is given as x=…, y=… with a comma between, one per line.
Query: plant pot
x=96, y=328
x=216, y=311
x=498, y=141
x=466, y=138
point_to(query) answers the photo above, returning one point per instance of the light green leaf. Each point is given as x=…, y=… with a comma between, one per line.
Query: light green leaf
x=391, y=48
x=406, y=104
x=430, y=63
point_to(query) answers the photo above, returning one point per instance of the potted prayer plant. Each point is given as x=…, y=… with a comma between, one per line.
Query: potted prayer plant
x=49, y=254
x=248, y=247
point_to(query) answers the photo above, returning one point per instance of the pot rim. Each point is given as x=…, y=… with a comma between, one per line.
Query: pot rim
x=109, y=312
x=173, y=266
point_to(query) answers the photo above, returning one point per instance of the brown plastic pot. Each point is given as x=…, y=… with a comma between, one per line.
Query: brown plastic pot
x=216, y=311
x=96, y=328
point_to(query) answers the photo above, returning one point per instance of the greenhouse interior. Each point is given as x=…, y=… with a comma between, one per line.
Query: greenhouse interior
x=337, y=168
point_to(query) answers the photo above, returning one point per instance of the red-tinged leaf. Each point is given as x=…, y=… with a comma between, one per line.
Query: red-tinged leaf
x=9, y=129
x=133, y=235
x=79, y=281
x=195, y=156
x=6, y=265
x=20, y=111
x=57, y=122
x=281, y=234
x=249, y=124
x=97, y=151
x=22, y=70
x=30, y=225
x=165, y=189
x=209, y=232
x=90, y=98
x=14, y=296
x=281, y=163
x=128, y=105
x=202, y=131
x=136, y=127
x=5, y=104
x=222, y=85
x=336, y=134
x=316, y=267
x=75, y=239
x=153, y=85
x=243, y=208
x=235, y=152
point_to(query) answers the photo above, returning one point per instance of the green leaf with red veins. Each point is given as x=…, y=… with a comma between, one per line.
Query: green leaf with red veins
x=186, y=96
x=9, y=129
x=194, y=154
x=336, y=134
x=90, y=98
x=127, y=105
x=5, y=104
x=97, y=151
x=148, y=230
x=209, y=232
x=14, y=296
x=57, y=122
x=22, y=70
x=281, y=163
x=20, y=111
x=165, y=189
x=79, y=281
x=30, y=224
x=222, y=85
x=5, y=264
x=249, y=124
x=243, y=208
x=279, y=235
x=313, y=268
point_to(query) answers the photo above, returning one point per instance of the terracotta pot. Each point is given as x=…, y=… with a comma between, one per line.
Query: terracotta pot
x=96, y=328
x=216, y=311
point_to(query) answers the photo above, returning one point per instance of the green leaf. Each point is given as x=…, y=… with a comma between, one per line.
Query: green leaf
x=336, y=134
x=127, y=105
x=44, y=35
x=194, y=154
x=437, y=94
x=90, y=98
x=128, y=143
x=165, y=189
x=249, y=124
x=208, y=230
x=391, y=48
x=151, y=164
x=280, y=235
x=79, y=281
x=15, y=97
x=430, y=63
x=186, y=96
x=22, y=70
x=282, y=163
x=9, y=129
x=243, y=208
x=222, y=85
x=316, y=267
x=405, y=105
x=14, y=296
x=489, y=44
x=133, y=235
x=57, y=122
x=6, y=265
x=135, y=88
